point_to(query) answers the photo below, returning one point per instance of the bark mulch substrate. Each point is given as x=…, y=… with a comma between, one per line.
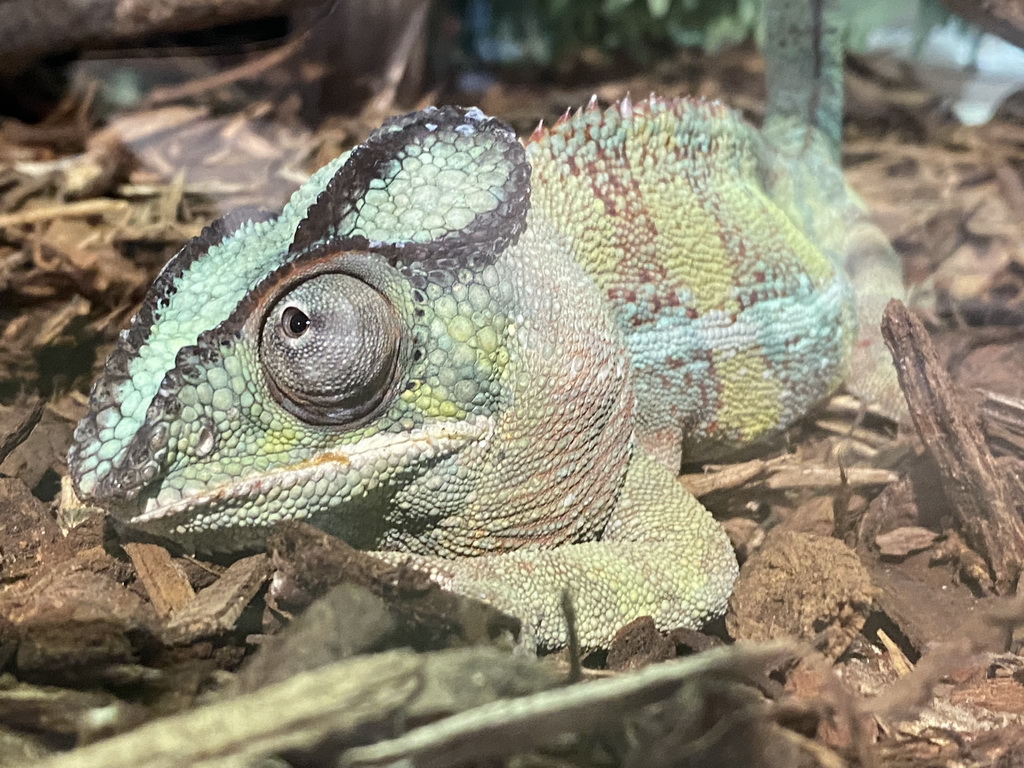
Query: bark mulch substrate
x=878, y=569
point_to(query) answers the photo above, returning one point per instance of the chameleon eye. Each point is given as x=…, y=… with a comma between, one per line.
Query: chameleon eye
x=330, y=347
x=294, y=322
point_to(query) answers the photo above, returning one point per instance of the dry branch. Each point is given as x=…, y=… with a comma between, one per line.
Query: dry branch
x=1004, y=18
x=985, y=500
x=30, y=29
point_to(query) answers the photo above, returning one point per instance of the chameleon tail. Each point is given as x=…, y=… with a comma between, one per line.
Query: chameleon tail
x=803, y=124
x=804, y=59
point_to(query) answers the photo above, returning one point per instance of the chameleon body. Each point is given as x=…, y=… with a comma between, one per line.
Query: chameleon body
x=489, y=357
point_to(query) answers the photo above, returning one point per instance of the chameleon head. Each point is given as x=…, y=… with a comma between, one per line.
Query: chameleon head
x=287, y=366
x=396, y=357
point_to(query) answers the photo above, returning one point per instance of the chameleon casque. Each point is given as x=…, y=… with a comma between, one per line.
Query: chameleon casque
x=489, y=357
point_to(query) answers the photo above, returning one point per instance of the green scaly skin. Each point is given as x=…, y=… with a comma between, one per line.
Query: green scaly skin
x=489, y=358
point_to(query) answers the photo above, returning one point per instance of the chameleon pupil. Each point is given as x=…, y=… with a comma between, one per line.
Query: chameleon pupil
x=295, y=321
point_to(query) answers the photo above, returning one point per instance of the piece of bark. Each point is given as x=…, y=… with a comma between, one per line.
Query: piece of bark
x=505, y=728
x=904, y=541
x=41, y=457
x=985, y=500
x=168, y=588
x=639, y=644
x=26, y=527
x=346, y=621
x=75, y=624
x=308, y=562
x=314, y=715
x=689, y=641
x=216, y=609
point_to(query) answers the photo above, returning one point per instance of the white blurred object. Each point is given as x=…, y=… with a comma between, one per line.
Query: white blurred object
x=975, y=71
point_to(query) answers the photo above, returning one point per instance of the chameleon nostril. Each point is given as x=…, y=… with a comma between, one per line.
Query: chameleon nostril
x=206, y=441
x=158, y=437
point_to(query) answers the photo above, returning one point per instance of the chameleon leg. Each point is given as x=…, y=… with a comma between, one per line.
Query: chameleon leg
x=877, y=276
x=662, y=554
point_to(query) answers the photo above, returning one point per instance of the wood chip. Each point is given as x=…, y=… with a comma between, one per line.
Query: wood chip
x=216, y=609
x=900, y=662
x=167, y=585
x=905, y=541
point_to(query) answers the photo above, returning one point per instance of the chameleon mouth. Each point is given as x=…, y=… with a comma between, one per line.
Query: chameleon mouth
x=328, y=469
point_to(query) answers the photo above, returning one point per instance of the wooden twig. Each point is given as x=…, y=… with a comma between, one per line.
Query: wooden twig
x=780, y=474
x=97, y=207
x=30, y=29
x=15, y=434
x=249, y=70
x=381, y=105
x=985, y=501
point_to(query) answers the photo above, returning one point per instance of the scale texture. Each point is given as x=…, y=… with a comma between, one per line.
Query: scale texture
x=489, y=357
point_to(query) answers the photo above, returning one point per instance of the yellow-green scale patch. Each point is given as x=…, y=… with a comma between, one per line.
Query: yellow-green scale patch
x=667, y=210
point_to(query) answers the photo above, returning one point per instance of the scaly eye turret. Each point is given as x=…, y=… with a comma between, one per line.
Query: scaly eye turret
x=330, y=348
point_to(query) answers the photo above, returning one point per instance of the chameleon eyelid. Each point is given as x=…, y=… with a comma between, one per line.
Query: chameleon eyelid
x=294, y=383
